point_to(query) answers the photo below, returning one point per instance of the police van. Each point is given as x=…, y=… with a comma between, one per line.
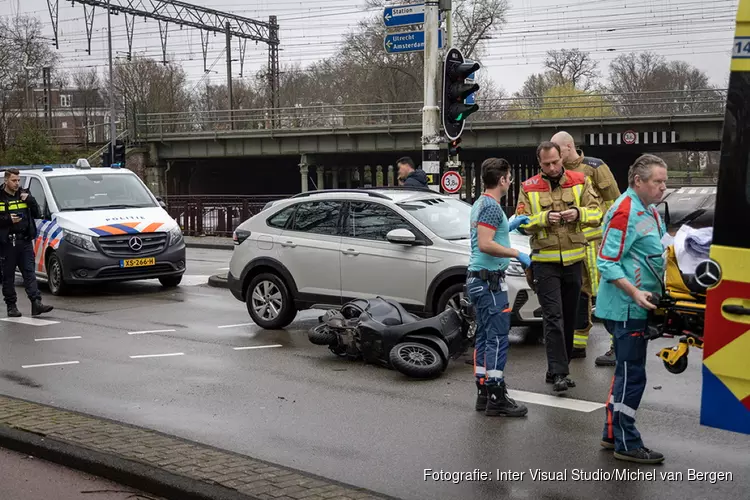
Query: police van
x=101, y=225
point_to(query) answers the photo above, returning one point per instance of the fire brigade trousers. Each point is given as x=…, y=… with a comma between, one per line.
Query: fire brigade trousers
x=558, y=289
x=493, y=328
x=628, y=383
x=588, y=292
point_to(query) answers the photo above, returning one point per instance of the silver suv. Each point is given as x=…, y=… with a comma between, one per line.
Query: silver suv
x=323, y=248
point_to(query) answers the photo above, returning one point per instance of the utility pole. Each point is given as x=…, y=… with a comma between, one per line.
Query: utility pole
x=112, y=126
x=431, y=111
x=229, y=74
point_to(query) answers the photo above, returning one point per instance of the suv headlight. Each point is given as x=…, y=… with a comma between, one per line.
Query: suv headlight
x=515, y=269
x=80, y=240
x=175, y=236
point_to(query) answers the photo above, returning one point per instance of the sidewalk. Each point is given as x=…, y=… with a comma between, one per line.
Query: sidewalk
x=30, y=478
x=213, y=242
x=160, y=464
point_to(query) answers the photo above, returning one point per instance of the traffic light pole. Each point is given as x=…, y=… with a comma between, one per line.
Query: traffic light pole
x=431, y=111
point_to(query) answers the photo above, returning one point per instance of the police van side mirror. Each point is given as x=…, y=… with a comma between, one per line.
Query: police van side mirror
x=161, y=202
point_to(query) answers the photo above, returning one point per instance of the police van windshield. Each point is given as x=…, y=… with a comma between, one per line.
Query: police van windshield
x=99, y=192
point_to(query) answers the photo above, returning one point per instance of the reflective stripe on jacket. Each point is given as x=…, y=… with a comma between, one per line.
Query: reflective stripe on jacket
x=559, y=243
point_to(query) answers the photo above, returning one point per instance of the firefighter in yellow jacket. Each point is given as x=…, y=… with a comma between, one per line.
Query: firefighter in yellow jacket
x=560, y=205
x=605, y=186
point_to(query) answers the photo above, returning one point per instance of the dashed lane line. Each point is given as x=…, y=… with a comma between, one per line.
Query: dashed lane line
x=56, y=338
x=237, y=325
x=151, y=331
x=51, y=364
x=30, y=321
x=555, y=401
x=157, y=355
x=256, y=347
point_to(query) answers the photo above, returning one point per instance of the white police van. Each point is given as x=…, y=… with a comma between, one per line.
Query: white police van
x=101, y=225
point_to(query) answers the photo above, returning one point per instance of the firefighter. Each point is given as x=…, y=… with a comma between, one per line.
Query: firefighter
x=631, y=263
x=605, y=186
x=560, y=205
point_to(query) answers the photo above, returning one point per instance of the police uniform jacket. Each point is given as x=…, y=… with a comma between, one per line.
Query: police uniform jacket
x=13, y=204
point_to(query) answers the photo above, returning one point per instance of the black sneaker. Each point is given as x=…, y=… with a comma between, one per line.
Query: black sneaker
x=501, y=405
x=481, y=403
x=560, y=383
x=13, y=312
x=606, y=359
x=550, y=379
x=641, y=456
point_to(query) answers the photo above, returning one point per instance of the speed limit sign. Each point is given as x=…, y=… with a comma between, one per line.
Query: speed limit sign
x=451, y=182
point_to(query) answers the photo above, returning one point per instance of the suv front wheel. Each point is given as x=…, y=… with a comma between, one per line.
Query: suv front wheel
x=269, y=302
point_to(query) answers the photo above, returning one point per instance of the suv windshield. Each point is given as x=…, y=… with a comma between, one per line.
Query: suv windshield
x=97, y=191
x=446, y=217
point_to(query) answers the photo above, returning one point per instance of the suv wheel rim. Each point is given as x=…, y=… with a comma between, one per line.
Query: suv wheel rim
x=455, y=301
x=266, y=300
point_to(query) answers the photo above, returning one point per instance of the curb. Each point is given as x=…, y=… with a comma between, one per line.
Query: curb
x=218, y=281
x=126, y=472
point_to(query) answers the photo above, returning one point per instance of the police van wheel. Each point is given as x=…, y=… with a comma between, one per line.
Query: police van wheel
x=170, y=281
x=57, y=285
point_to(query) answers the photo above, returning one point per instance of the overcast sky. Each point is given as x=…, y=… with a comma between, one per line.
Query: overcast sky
x=698, y=31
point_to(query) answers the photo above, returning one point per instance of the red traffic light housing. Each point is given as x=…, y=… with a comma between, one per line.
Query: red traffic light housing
x=454, y=147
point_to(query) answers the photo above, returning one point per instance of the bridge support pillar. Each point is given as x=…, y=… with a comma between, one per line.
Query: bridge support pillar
x=321, y=176
x=303, y=171
x=390, y=176
x=379, y=175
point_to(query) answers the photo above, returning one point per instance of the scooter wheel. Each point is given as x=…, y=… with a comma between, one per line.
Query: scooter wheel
x=417, y=360
x=679, y=366
x=321, y=336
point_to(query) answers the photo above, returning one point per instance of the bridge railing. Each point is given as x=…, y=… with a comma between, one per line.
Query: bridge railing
x=667, y=103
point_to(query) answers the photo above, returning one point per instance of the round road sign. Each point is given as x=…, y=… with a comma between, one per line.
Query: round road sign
x=451, y=182
x=629, y=137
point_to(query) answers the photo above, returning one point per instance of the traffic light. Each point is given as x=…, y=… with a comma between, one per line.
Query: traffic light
x=453, y=148
x=455, y=91
x=106, y=157
x=119, y=153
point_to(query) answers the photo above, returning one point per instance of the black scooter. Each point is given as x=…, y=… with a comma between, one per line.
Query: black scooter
x=381, y=331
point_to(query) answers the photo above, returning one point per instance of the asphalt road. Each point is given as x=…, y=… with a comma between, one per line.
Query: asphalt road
x=296, y=404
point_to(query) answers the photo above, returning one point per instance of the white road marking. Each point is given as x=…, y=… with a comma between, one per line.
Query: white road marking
x=31, y=321
x=233, y=326
x=56, y=338
x=256, y=347
x=157, y=355
x=150, y=331
x=556, y=401
x=51, y=364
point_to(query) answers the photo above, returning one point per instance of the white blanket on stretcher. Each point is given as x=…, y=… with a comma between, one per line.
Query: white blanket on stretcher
x=691, y=246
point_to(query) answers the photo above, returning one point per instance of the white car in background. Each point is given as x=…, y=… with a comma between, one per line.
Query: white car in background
x=323, y=248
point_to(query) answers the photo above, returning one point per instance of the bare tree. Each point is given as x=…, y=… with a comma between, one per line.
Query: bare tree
x=23, y=55
x=88, y=98
x=572, y=67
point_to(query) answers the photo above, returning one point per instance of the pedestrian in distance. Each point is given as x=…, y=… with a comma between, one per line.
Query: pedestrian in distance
x=560, y=205
x=490, y=256
x=605, y=186
x=631, y=263
x=18, y=211
x=409, y=175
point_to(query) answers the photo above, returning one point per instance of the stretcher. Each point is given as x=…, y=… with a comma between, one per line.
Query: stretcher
x=681, y=311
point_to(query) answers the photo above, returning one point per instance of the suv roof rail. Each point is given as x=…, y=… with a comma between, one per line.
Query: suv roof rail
x=352, y=191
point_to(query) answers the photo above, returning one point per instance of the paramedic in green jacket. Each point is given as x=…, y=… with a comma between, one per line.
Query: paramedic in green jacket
x=633, y=232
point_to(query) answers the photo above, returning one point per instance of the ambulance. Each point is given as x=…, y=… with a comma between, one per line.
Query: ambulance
x=101, y=225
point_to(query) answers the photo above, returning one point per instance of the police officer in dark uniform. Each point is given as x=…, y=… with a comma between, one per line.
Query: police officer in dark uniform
x=18, y=209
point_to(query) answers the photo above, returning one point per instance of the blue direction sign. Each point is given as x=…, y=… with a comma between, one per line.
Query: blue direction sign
x=403, y=15
x=409, y=41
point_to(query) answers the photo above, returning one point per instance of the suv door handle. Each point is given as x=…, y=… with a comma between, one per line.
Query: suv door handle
x=288, y=244
x=350, y=251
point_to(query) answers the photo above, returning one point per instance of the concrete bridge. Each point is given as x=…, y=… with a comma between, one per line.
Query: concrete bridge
x=339, y=143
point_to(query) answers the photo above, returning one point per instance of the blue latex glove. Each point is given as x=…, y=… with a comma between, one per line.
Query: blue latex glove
x=518, y=221
x=524, y=259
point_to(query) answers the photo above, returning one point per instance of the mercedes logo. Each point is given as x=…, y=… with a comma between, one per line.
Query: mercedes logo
x=135, y=243
x=707, y=273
